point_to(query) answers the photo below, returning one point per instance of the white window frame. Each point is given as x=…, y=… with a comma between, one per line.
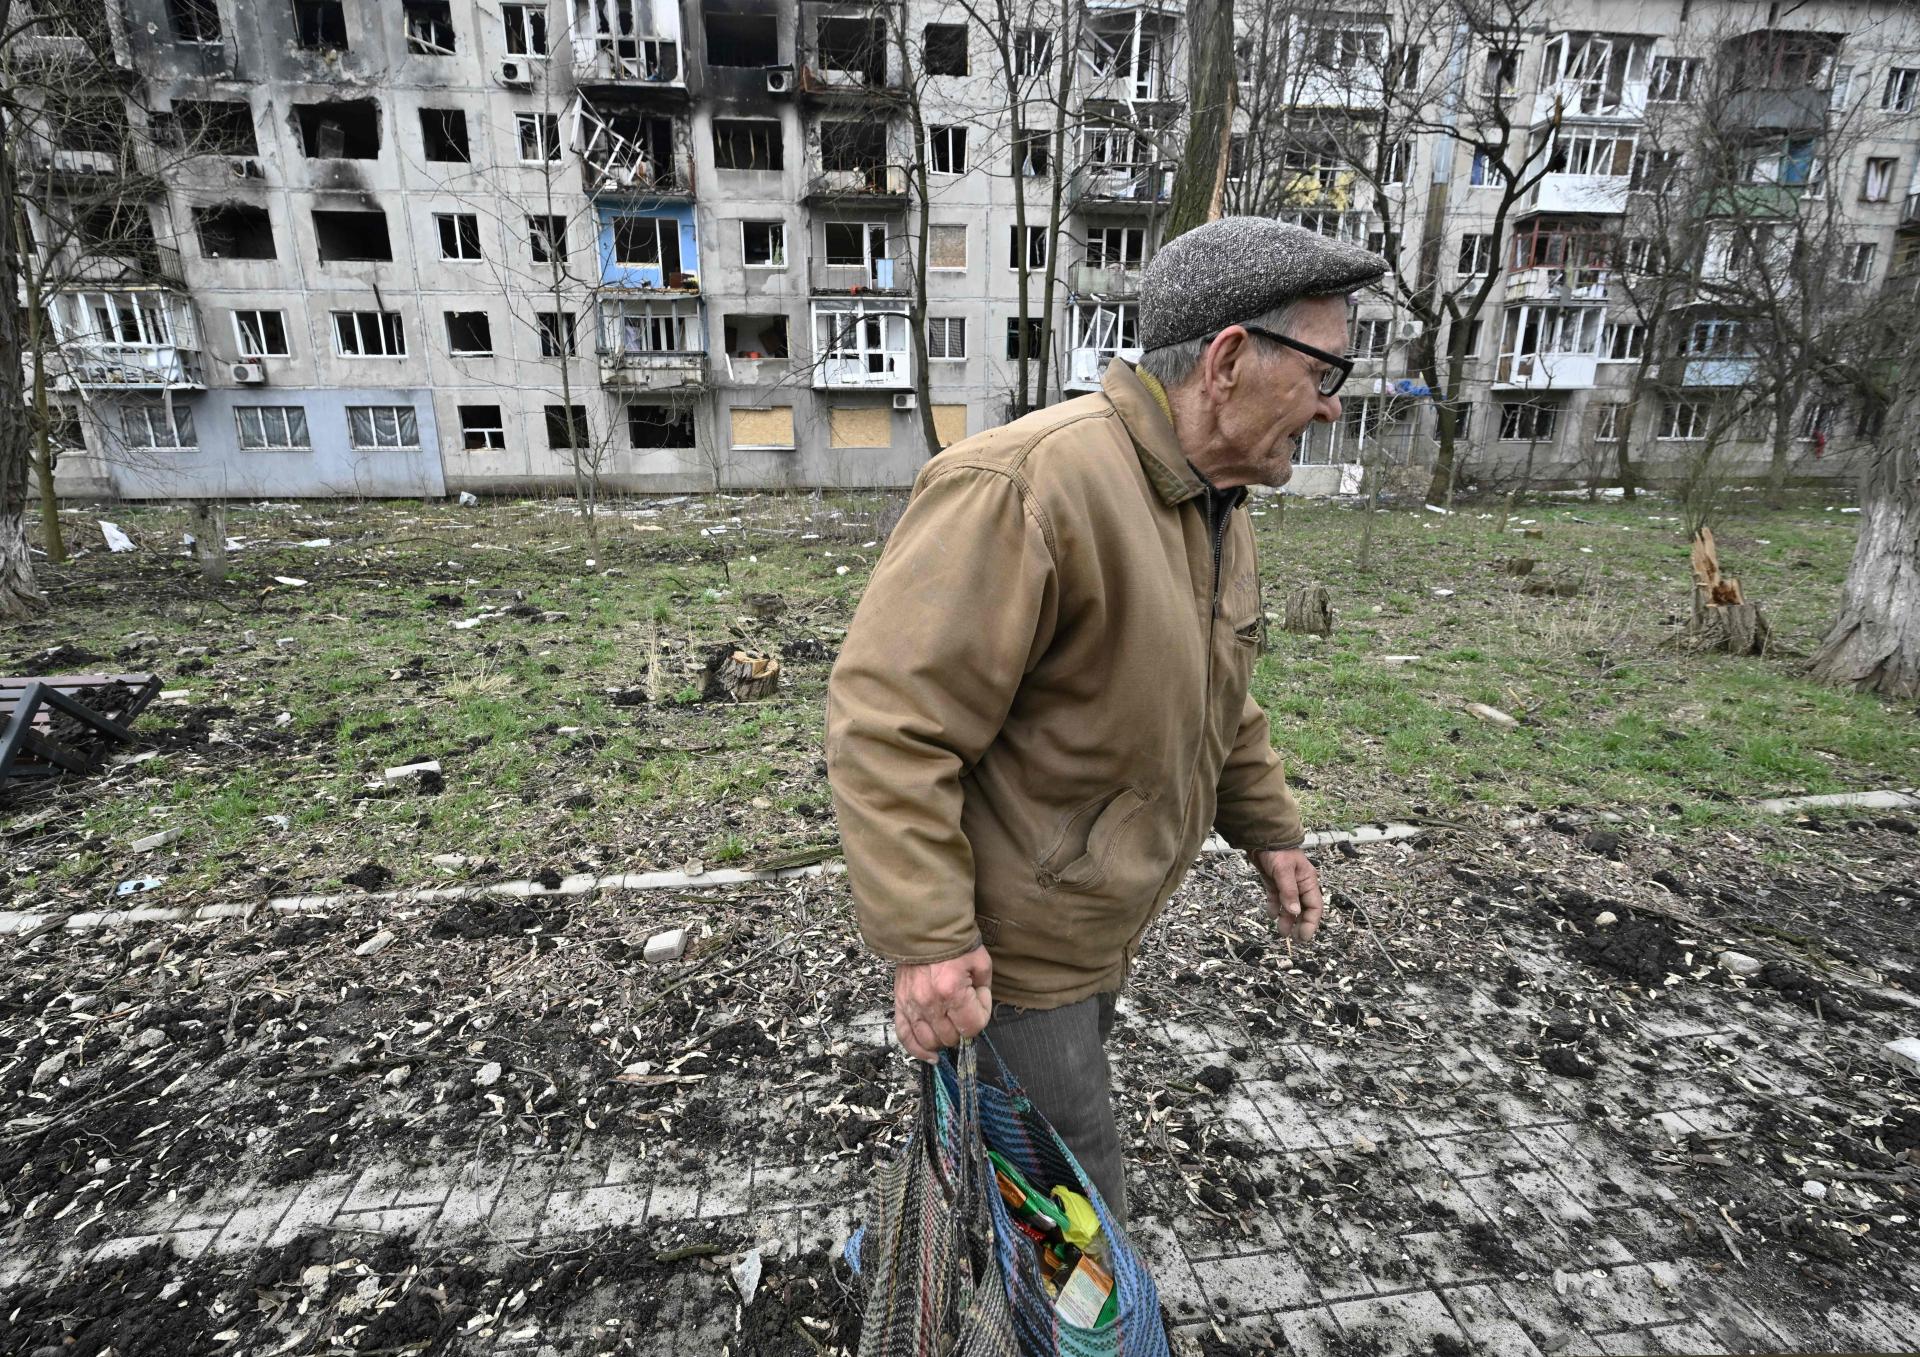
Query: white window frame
x=1680, y=86
x=1131, y=243
x=630, y=327
x=1032, y=50
x=288, y=421
x=954, y=138
x=1682, y=421
x=1606, y=421
x=1035, y=235
x=1818, y=418
x=445, y=222
x=951, y=328
x=403, y=420
x=177, y=428
x=494, y=434
x=1876, y=184
x=1486, y=172
x=522, y=32
x=858, y=347
x=1714, y=339
x=387, y=328
x=1862, y=255
x=540, y=124
x=1482, y=251
x=777, y=239
x=257, y=347
x=1529, y=412
x=1371, y=338
x=1901, y=94
x=447, y=321
x=1635, y=347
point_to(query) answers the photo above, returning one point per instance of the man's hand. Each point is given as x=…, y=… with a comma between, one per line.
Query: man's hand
x=1293, y=891
x=938, y=1004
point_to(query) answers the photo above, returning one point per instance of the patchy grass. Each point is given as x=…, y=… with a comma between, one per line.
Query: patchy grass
x=555, y=758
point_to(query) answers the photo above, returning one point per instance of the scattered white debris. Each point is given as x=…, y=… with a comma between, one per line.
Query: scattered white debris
x=411, y=771
x=840, y=570
x=316, y=542
x=1443, y=593
x=1399, y=659
x=1492, y=714
x=138, y=886
x=1815, y=1189
x=49, y=1069
x=116, y=540
x=174, y=694
x=488, y=1074
x=284, y=719
x=746, y=1276
x=1905, y=1051
x=376, y=944
x=291, y=581
x=151, y=1039
x=468, y=498
x=1786, y=805
x=153, y=841
x=668, y=946
x=1739, y=963
x=1436, y=509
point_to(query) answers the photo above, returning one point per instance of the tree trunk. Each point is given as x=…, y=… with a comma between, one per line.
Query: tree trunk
x=1309, y=611
x=1875, y=644
x=207, y=520
x=1211, y=81
x=18, y=596
x=1777, y=466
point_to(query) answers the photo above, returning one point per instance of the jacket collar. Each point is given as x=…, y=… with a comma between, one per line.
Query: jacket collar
x=1154, y=439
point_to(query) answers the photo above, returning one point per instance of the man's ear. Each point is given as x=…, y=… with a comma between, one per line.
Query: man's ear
x=1222, y=362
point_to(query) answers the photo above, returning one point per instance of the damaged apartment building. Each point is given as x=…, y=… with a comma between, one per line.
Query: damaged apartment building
x=413, y=247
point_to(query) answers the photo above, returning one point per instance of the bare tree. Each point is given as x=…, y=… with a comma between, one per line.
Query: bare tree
x=1200, y=184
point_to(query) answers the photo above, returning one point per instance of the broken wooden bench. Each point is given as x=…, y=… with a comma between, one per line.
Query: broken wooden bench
x=50, y=726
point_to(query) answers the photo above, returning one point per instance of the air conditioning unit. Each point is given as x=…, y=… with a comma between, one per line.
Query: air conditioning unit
x=249, y=374
x=515, y=75
x=779, y=80
x=906, y=400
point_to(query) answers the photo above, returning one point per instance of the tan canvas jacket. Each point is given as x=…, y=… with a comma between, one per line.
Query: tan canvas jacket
x=1042, y=704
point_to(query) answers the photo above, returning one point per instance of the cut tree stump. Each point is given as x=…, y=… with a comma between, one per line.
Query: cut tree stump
x=742, y=675
x=1722, y=617
x=1520, y=565
x=1309, y=611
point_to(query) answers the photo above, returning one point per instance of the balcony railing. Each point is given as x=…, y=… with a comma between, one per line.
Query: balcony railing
x=1586, y=99
x=654, y=371
x=1716, y=372
x=1146, y=184
x=1549, y=284
x=645, y=64
x=757, y=371
x=1546, y=371
x=638, y=179
x=1087, y=366
x=117, y=366
x=1106, y=280
x=887, y=276
x=874, y=181
x=1595, y=193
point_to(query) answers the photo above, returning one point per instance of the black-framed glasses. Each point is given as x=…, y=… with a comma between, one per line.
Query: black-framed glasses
x=1332, y=377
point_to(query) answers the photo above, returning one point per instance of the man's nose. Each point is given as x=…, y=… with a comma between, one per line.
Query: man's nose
x=1328, y=411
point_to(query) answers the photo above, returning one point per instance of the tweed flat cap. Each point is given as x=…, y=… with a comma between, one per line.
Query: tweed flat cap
x=1232, y=270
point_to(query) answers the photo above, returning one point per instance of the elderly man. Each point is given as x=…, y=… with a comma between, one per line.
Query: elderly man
x=1042, y=704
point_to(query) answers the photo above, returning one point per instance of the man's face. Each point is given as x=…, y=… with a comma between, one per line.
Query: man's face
x=1275, y=396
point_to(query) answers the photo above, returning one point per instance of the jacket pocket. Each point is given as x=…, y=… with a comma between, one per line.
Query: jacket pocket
x=1080, y=856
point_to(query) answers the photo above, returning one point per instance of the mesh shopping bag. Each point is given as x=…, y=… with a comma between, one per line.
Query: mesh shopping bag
x=915, y=1236
x=927, y=1252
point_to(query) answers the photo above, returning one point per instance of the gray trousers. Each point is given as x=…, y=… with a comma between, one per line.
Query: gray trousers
x=1059, y=1055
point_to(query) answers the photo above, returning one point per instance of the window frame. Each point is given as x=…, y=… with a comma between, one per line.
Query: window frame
x=565, y=328
x=446, y=319
x=1034, y=233
x=947, y=333
x=458, y=223
x=777, y=256
x=487, y=431
x=1901, y=93
x=517, y=9
x=390, y=326
x=285, y=413
x=179, y=419
x=240, y=342
x=541, y=123
x=955, y=137
x=402, y=416
x=1891, y=165
x=577, y=426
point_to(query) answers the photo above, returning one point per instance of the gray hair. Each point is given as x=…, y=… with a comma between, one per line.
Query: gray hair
x=1177, y=362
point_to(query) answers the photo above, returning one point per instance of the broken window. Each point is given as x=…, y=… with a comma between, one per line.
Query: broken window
x=547, y=238
x=369, y=334
x=742, y=39
x=626, y=148
x=1032, y=150
x=1032, y=336
x=567, y=426
x=647, y=240
x=383, y=427
x=849, y=145
x=352, y=237
x=320, y=25
x=234, y=231
x=853, y=244
x=215, y=127
x=1032, y=51
x=860, y=347
x=459, y=235
x=443, y=133
x=272, y=428
x=856, y=45
x=755, y=336
x=660, y=426
x=763, y=244
x=1501, y=78
x=1036, y=247
x=429, y=28
x=1116, y=247
x=482, y=429
x=469, y=334
x=158, y=424
x=1525, y=421
x=539, y=136
x=260, y=334
x=526, y=27
x=194, y=20
x=947, y=150
x=946, y=49
x=89, y=123
x=557, y=339
x=348, y=129
x=747, y=144
x=615, y=32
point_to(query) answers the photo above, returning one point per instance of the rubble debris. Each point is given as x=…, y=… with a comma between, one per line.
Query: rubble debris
x=1739, y=963
x=159, y=840
x=115, y=538
x=668, y=946
x=1491, y=715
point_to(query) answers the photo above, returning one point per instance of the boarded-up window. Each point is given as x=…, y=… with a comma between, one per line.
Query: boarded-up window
x=768, y=428
x=949, y=423
x=947, y=247
x=860, y=426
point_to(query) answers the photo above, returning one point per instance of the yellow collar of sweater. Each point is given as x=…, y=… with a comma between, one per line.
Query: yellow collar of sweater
x=1157, y=391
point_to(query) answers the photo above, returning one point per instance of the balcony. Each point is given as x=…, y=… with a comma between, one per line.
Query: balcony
x=1087, y=365
x=1141, y=185
x=1587, y=193
x=626, y=152
x=1801, y=110
x=1589, y=100
x=1546, y=372
x=847, y=56
x=1716, y=372
x=1106, y=280
x=758, y=371
x=884, y=276
x=669, y=371
x=130, y=338
x=861, y=346
x=634, y=67
x=876, y=183
x=1910, y=212
x=1546, y=284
